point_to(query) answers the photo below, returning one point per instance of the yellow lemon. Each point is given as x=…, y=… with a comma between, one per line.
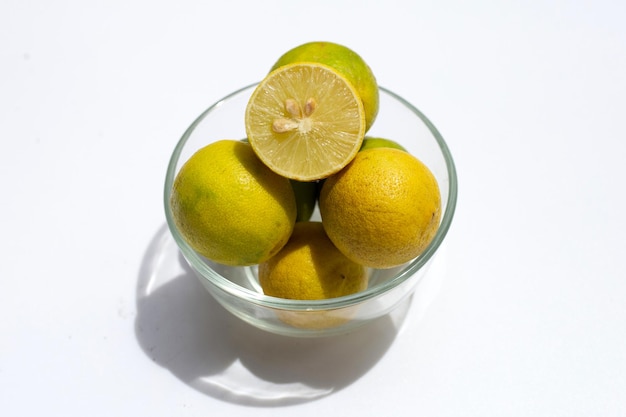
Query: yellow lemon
x=305, y=121
x=230, y=207
x=345, y=60
x=383, y=209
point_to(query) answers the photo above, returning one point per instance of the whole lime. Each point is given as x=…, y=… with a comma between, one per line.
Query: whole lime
x=306, y=198
x=370, y=142
x=347, y=62
x=310, y=267
x=382, y=209
x=230, y=207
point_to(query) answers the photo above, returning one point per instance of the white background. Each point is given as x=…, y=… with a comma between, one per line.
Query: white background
x=524, y=313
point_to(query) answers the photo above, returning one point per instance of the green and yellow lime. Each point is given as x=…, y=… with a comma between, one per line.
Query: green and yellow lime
x=370, y=142
x=230, y=207
x=306, y=198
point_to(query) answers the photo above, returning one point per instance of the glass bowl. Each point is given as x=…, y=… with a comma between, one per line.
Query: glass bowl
x=237, y=288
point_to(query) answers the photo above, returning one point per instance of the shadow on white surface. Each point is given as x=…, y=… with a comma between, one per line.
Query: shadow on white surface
x=182, y=328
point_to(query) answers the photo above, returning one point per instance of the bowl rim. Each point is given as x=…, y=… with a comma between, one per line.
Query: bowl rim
x=229, y=287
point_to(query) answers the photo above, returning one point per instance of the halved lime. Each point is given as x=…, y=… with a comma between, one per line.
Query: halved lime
x=305, y=121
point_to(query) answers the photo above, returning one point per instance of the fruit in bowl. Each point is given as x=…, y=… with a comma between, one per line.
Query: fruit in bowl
x=304, y=227
x=383, y=209
x=230, y=207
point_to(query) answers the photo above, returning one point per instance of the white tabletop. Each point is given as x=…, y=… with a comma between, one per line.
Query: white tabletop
x=523, y=313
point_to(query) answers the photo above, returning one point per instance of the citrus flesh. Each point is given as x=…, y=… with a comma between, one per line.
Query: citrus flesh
x=229, y=207
x=305, y=121
x=347, y=62
x=383, y=209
